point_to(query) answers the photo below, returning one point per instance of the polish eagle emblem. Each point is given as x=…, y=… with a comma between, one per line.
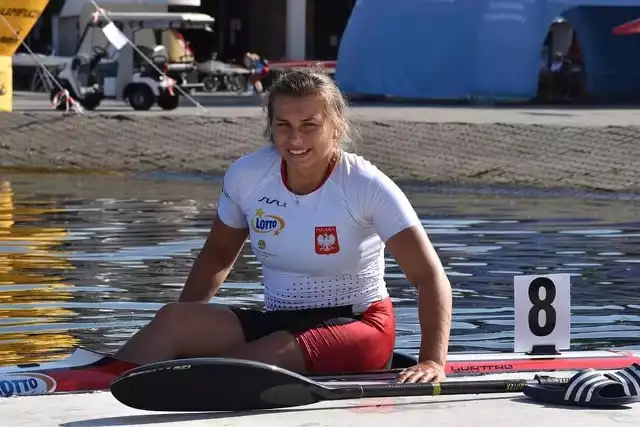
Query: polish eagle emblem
x=326, y=241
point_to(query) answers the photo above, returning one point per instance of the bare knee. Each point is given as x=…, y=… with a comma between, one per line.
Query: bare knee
x=170, y=317
x=170, y=312
x=198, y=329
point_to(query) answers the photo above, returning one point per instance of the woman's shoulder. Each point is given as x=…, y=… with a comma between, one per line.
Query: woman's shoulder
x=358, y=168
x=363, y=177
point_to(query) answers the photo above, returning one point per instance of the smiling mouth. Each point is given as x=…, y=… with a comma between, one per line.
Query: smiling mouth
x=299, y=152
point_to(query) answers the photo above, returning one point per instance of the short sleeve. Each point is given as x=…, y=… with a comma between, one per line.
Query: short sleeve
x=229, y=207
x=388, y=208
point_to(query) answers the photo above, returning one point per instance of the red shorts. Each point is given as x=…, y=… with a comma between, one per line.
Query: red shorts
x=332, y=339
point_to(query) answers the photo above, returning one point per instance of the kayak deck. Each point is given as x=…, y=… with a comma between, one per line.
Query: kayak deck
x=101, y=409
x=85, y=370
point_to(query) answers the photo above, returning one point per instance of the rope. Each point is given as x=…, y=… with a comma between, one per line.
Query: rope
x=167, y=82
x=73, y=105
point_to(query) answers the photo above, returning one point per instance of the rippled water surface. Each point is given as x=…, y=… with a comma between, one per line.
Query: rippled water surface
x=86, y=260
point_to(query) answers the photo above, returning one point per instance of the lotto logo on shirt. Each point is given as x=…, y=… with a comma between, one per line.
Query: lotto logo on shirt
x=327, y=240
x=267, y=224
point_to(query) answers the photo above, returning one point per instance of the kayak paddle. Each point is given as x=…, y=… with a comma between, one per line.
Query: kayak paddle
x=222, y=384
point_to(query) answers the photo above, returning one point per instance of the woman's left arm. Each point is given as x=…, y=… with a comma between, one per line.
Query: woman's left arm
x=399, y=226
x=420, y=263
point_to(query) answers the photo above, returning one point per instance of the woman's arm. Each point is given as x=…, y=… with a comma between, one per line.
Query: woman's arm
x=399, y=226
x=214, y=262
x=420, y=263
x=228, y=233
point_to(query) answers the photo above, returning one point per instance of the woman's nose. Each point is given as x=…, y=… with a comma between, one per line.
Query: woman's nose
x=295, y=135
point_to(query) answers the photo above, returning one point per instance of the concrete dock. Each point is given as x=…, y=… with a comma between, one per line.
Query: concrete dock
x=485, y=410
x=101, y=409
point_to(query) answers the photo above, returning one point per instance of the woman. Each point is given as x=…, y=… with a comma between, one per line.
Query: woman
x=258, y=67
x=319, y=219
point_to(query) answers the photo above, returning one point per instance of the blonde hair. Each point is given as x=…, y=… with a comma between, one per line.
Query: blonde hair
x=312, y=82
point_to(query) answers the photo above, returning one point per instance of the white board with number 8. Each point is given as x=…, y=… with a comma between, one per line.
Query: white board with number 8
x=542, y=308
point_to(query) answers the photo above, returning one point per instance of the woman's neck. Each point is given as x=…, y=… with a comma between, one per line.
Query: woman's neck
x=307, y=181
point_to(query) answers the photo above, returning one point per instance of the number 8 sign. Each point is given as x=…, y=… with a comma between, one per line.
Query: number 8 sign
x=542, y=308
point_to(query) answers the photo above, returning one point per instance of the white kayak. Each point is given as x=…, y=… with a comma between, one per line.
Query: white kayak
x=73, y=392
x=86, y=370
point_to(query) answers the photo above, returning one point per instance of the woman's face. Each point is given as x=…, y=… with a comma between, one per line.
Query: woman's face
x=302, y=133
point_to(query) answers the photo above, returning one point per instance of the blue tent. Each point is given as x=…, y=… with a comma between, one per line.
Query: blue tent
x=453, y=49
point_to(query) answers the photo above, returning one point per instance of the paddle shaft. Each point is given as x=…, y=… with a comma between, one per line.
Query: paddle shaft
x=435, y=389
x=431, y=389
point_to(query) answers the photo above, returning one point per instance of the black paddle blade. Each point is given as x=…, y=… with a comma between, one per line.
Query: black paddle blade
x=213, y=384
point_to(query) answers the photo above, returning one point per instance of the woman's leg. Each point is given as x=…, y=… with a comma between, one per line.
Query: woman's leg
x=359, y=345
x=257, y=84
x=184, y=330
x=298, y=341
x=312, y=344
x=278, y=348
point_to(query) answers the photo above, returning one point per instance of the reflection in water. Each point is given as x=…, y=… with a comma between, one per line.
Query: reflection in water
x=31, y=285
x=94, y=262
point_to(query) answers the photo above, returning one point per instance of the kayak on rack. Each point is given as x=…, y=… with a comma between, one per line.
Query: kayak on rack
x=86, y=370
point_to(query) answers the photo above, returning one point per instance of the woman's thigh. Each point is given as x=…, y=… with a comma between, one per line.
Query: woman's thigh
x=347, y=344
x=200, y=330
x=319, y=340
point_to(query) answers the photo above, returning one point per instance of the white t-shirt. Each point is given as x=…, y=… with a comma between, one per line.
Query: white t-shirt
x=322, y=249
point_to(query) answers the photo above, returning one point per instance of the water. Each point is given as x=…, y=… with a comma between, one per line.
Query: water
x=86, y=260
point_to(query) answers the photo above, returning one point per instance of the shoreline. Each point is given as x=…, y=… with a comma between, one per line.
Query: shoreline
x=601, y=159
x=424, y=187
